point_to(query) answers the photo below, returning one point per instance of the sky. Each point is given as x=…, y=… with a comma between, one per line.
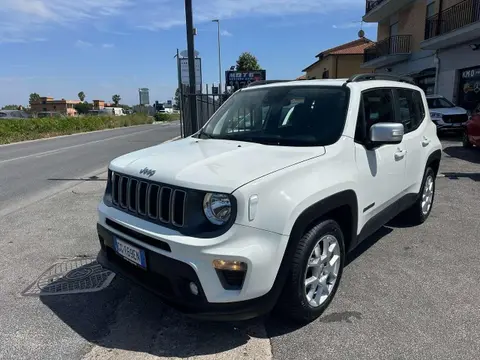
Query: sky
x=103, y=47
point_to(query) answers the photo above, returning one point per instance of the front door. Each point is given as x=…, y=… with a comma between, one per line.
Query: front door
x=382, y=169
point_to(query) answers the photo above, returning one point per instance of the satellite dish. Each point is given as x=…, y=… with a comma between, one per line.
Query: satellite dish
x=184, y=53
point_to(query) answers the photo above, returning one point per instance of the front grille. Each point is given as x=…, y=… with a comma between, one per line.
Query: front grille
x=149, y=200
x=455, y=119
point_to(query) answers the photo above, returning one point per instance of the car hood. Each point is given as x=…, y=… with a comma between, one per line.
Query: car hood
x=211, y=164
x=450, y=111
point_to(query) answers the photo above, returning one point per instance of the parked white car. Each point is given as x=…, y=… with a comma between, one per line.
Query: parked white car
x=446, y=115
x=231, y=224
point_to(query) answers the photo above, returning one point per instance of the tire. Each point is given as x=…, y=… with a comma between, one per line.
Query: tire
x=417, y=214
x=293, y=301
x=465, y=141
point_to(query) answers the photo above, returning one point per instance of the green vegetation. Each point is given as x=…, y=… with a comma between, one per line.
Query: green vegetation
x=13, y=130
x=247, y=62
x=166, y=117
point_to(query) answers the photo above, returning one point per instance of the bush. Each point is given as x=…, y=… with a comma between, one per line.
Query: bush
x=12, y=130
x=166, y=117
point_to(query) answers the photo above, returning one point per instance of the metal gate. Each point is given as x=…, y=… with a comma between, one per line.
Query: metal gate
x=207, y=103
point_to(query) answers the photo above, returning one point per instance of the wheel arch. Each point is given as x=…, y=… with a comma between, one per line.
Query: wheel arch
x=433, y=161
x=341, y=207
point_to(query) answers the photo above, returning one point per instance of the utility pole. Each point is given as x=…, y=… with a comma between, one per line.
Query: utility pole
x=219, y=59
x=191, y=65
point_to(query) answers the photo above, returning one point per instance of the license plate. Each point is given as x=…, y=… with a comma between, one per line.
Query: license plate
x=130, y=253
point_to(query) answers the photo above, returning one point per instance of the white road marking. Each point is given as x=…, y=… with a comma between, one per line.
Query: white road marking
x=55, y=151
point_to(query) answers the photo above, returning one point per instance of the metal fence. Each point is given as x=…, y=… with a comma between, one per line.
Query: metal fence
x=207, y=103
x=459, y=15
x=393, y=45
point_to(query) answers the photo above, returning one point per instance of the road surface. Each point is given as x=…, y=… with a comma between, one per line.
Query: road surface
x=40, y=168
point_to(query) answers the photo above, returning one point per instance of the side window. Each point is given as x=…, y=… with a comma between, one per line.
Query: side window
x=407, y=109
x=419, y=108
x=375, y=106
x=378, y=107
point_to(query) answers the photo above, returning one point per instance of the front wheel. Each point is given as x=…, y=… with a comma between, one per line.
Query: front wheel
x=315, y=274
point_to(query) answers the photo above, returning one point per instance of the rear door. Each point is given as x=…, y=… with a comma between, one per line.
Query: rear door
x=412, y=114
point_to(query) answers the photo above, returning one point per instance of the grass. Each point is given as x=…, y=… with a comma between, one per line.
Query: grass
x=166, y=117
x=13, y=130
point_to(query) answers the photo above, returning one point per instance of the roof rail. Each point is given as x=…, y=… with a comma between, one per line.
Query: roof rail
x=373, y=76
x=266, y=82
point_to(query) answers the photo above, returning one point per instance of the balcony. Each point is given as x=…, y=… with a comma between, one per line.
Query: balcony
x=453, y=26
x=389, y=51
x=378, y=10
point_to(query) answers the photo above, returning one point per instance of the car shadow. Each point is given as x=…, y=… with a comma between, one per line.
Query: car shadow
x=126, y=317
x=457, y=176
x=459, y=152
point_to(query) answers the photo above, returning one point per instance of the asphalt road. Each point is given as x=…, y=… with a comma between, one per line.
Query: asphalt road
x=37, y=168
x=407, y=293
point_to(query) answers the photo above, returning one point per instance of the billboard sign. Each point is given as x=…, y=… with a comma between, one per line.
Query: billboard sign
x=240, y=79
x=185, y=74
x=144, y=96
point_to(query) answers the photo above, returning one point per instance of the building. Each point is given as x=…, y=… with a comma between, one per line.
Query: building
x=433, y=41
x=340, y=62
x=65, y=107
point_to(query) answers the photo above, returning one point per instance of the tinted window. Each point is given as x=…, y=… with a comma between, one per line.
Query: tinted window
x=378, y=106
x=419, y=108
x=282, y=115
x=407, y=109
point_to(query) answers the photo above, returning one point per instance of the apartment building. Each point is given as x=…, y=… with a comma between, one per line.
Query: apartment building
x=437, y=42
x=47, y=103
x=341, y=61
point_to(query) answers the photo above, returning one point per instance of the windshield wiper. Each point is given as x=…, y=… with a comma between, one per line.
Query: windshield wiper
x=203, y=134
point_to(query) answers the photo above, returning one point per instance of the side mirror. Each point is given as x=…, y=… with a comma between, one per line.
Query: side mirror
x=386, y=133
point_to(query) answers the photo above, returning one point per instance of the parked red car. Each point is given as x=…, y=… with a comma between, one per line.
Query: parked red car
x=471, y=135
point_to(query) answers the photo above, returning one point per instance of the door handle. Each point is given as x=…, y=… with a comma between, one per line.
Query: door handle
x=425, y=141
x=400, y=154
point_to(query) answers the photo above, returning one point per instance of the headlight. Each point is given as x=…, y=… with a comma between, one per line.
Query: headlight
x=436, y=115
x=217, y=208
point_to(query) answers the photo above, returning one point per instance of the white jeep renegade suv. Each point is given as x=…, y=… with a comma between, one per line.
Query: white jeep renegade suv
x=259, y=209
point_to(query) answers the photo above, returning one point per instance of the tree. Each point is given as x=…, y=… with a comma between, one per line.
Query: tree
x=11, y=107
x=34, y=97
x=116, y=99
x=83, y=108
x=247, y=62
x=176, y=101
x=81, y=96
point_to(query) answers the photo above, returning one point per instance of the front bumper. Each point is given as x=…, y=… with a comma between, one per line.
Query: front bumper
x=172, y=266
x=442, y=126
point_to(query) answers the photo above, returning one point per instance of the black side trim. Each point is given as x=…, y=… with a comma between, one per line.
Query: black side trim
x=136, y=235
x=369, y=207
x=435, y=156
x=386, y=215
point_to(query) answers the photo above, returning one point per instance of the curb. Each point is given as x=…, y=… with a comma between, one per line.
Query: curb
x=173, y=139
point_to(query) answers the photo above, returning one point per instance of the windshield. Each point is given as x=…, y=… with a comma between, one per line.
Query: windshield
x=437, y=103
x=287, y=115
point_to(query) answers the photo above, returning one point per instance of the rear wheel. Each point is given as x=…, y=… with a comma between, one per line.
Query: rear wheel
x=315, y=274
x=466, y=142
x=420, y=211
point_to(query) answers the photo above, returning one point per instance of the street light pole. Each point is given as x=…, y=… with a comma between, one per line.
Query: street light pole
x=219, y=59
x=191, y=65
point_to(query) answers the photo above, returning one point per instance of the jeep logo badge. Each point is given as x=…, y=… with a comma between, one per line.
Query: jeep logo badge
x=148, y=172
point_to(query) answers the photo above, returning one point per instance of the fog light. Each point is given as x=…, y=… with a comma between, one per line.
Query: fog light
x=229, y=265
x=193, y=288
